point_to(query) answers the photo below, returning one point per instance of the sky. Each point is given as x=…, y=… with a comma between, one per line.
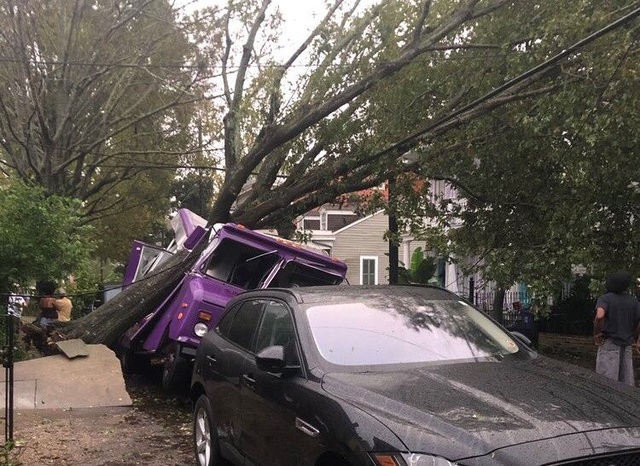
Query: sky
x=300, y=16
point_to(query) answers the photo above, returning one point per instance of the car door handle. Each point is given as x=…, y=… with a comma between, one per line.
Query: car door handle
x=211, y=358
x=249, y=381
x=306, y=428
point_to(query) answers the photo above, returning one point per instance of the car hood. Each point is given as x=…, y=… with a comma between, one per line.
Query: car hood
x=467, y=410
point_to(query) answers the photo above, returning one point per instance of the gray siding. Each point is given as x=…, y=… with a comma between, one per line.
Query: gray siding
x=363, y=238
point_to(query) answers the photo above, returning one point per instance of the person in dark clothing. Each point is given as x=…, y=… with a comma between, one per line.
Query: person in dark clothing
x=615, y=327
x=46, y=304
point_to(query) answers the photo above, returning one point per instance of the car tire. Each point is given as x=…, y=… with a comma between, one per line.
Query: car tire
x=205, y=435
x=175, y=371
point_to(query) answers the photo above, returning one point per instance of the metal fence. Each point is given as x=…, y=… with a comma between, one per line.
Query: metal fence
x=484, y=300
x=569, y=315
x=7, y=354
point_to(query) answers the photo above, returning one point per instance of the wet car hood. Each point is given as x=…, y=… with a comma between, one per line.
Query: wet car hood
x=466, y=410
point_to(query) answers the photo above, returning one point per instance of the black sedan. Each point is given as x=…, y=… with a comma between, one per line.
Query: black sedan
x=395, y=376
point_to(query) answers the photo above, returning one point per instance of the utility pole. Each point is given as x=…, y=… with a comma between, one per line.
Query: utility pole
x=393, y=232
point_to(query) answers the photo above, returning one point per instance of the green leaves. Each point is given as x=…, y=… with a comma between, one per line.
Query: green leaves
x=421, y=269
x=548, y=182
x=41, y=237
x=93, y=94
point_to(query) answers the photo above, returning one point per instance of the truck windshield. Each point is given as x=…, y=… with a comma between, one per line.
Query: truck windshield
x=300, y=274
x=248, y=267
x=239, y=264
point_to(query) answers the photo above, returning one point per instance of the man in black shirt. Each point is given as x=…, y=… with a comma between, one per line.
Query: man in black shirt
x=615, y=327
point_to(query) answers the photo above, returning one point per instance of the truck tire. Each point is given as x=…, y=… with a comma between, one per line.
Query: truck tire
x=176, y=372
x=132, y=363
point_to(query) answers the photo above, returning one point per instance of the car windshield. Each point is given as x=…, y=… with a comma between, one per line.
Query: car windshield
x=405, y=330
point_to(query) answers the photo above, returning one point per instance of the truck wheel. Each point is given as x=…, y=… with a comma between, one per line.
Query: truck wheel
x=132, y=363
x=176, y=372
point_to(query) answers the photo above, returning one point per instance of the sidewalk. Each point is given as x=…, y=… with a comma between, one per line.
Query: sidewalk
x=578, y=350
x=57, y=382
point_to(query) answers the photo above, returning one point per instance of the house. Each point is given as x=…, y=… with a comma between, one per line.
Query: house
x=359, y=241
x=356, y=239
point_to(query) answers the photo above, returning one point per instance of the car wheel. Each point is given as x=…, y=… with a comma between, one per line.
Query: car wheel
x=205, y=435
x=175, y=372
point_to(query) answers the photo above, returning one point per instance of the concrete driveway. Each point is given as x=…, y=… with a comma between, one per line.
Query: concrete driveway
x=60, y=382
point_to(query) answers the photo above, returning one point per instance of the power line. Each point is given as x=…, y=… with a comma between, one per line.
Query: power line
x=544, y=66
x=233, y=69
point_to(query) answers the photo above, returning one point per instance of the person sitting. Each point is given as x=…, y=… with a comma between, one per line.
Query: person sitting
x=63, y=305
x=48, y=312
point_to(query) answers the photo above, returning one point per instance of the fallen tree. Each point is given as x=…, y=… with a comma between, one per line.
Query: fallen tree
x=109, y=321
x=328, y=140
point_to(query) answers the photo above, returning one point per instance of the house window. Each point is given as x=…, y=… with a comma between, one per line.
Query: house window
x=450, y=192
x=368, y=270
x=311, y=224
x=337, y=221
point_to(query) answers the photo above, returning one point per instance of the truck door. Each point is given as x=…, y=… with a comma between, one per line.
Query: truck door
x=143, y=258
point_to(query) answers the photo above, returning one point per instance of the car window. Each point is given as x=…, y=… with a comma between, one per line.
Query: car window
x=244, y=324
x=277, y=328
x=405, y=330
x=224, y=326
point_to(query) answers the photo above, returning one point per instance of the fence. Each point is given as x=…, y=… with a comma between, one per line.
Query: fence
x=484, y=300
x=572, y=314
x=7, y=353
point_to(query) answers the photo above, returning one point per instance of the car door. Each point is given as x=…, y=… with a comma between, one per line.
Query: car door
x=271, y=432
x=225, y=352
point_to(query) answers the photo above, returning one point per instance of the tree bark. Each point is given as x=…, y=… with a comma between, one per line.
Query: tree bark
x=108, y=322
x=498, y=305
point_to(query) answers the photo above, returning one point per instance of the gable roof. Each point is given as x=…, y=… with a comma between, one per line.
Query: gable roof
x=357, y=222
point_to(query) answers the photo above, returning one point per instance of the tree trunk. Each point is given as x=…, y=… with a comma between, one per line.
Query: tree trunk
x=498, y=304
x=108, y=322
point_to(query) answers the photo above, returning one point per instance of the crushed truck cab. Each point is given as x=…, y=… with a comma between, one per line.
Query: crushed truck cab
x=235, y=259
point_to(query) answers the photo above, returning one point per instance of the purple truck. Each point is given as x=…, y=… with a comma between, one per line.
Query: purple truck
x=235, y=259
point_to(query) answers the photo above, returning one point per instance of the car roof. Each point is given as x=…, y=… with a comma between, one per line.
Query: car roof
x=338, y=293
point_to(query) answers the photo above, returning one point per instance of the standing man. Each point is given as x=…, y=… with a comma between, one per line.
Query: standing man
x=616, y=325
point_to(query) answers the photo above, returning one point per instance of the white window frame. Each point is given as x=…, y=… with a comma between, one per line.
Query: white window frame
x=309, y=217
x=375, y=267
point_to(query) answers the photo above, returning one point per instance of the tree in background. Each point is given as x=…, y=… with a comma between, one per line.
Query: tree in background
x=41, y=237
x=366, y=87
x=545, y=184
x=194, y=191
x=97, y=97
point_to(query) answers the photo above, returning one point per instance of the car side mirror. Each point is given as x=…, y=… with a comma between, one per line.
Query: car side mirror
x=271, y=359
